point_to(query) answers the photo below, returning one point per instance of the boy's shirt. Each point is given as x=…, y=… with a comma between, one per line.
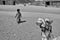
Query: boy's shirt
x=48, y=27
x=18, y=15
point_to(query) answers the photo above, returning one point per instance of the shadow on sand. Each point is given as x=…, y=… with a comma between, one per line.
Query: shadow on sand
x=21, y=22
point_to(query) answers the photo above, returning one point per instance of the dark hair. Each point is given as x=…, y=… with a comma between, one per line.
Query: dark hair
x=18, y=9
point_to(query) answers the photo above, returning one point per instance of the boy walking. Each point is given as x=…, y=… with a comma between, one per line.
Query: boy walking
x=41, y=24
x=48, y=27
x=18, y=15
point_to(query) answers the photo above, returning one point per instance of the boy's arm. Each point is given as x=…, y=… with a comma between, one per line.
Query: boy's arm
x=16, y=15
x=41, y=25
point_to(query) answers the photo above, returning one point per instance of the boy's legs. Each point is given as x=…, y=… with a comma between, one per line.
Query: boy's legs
x=19, y=20
x=43, y=36
x=48, y=34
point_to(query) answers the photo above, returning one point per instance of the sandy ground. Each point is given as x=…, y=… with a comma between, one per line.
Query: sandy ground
x=10, y=30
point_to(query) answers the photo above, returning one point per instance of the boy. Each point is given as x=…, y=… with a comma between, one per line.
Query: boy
x=48, y=27
x=18, y=15
x=41, y=24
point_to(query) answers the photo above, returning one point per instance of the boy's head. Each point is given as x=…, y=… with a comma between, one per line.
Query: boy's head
x=40, y=21
x=48, y=21
x=18, y=10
